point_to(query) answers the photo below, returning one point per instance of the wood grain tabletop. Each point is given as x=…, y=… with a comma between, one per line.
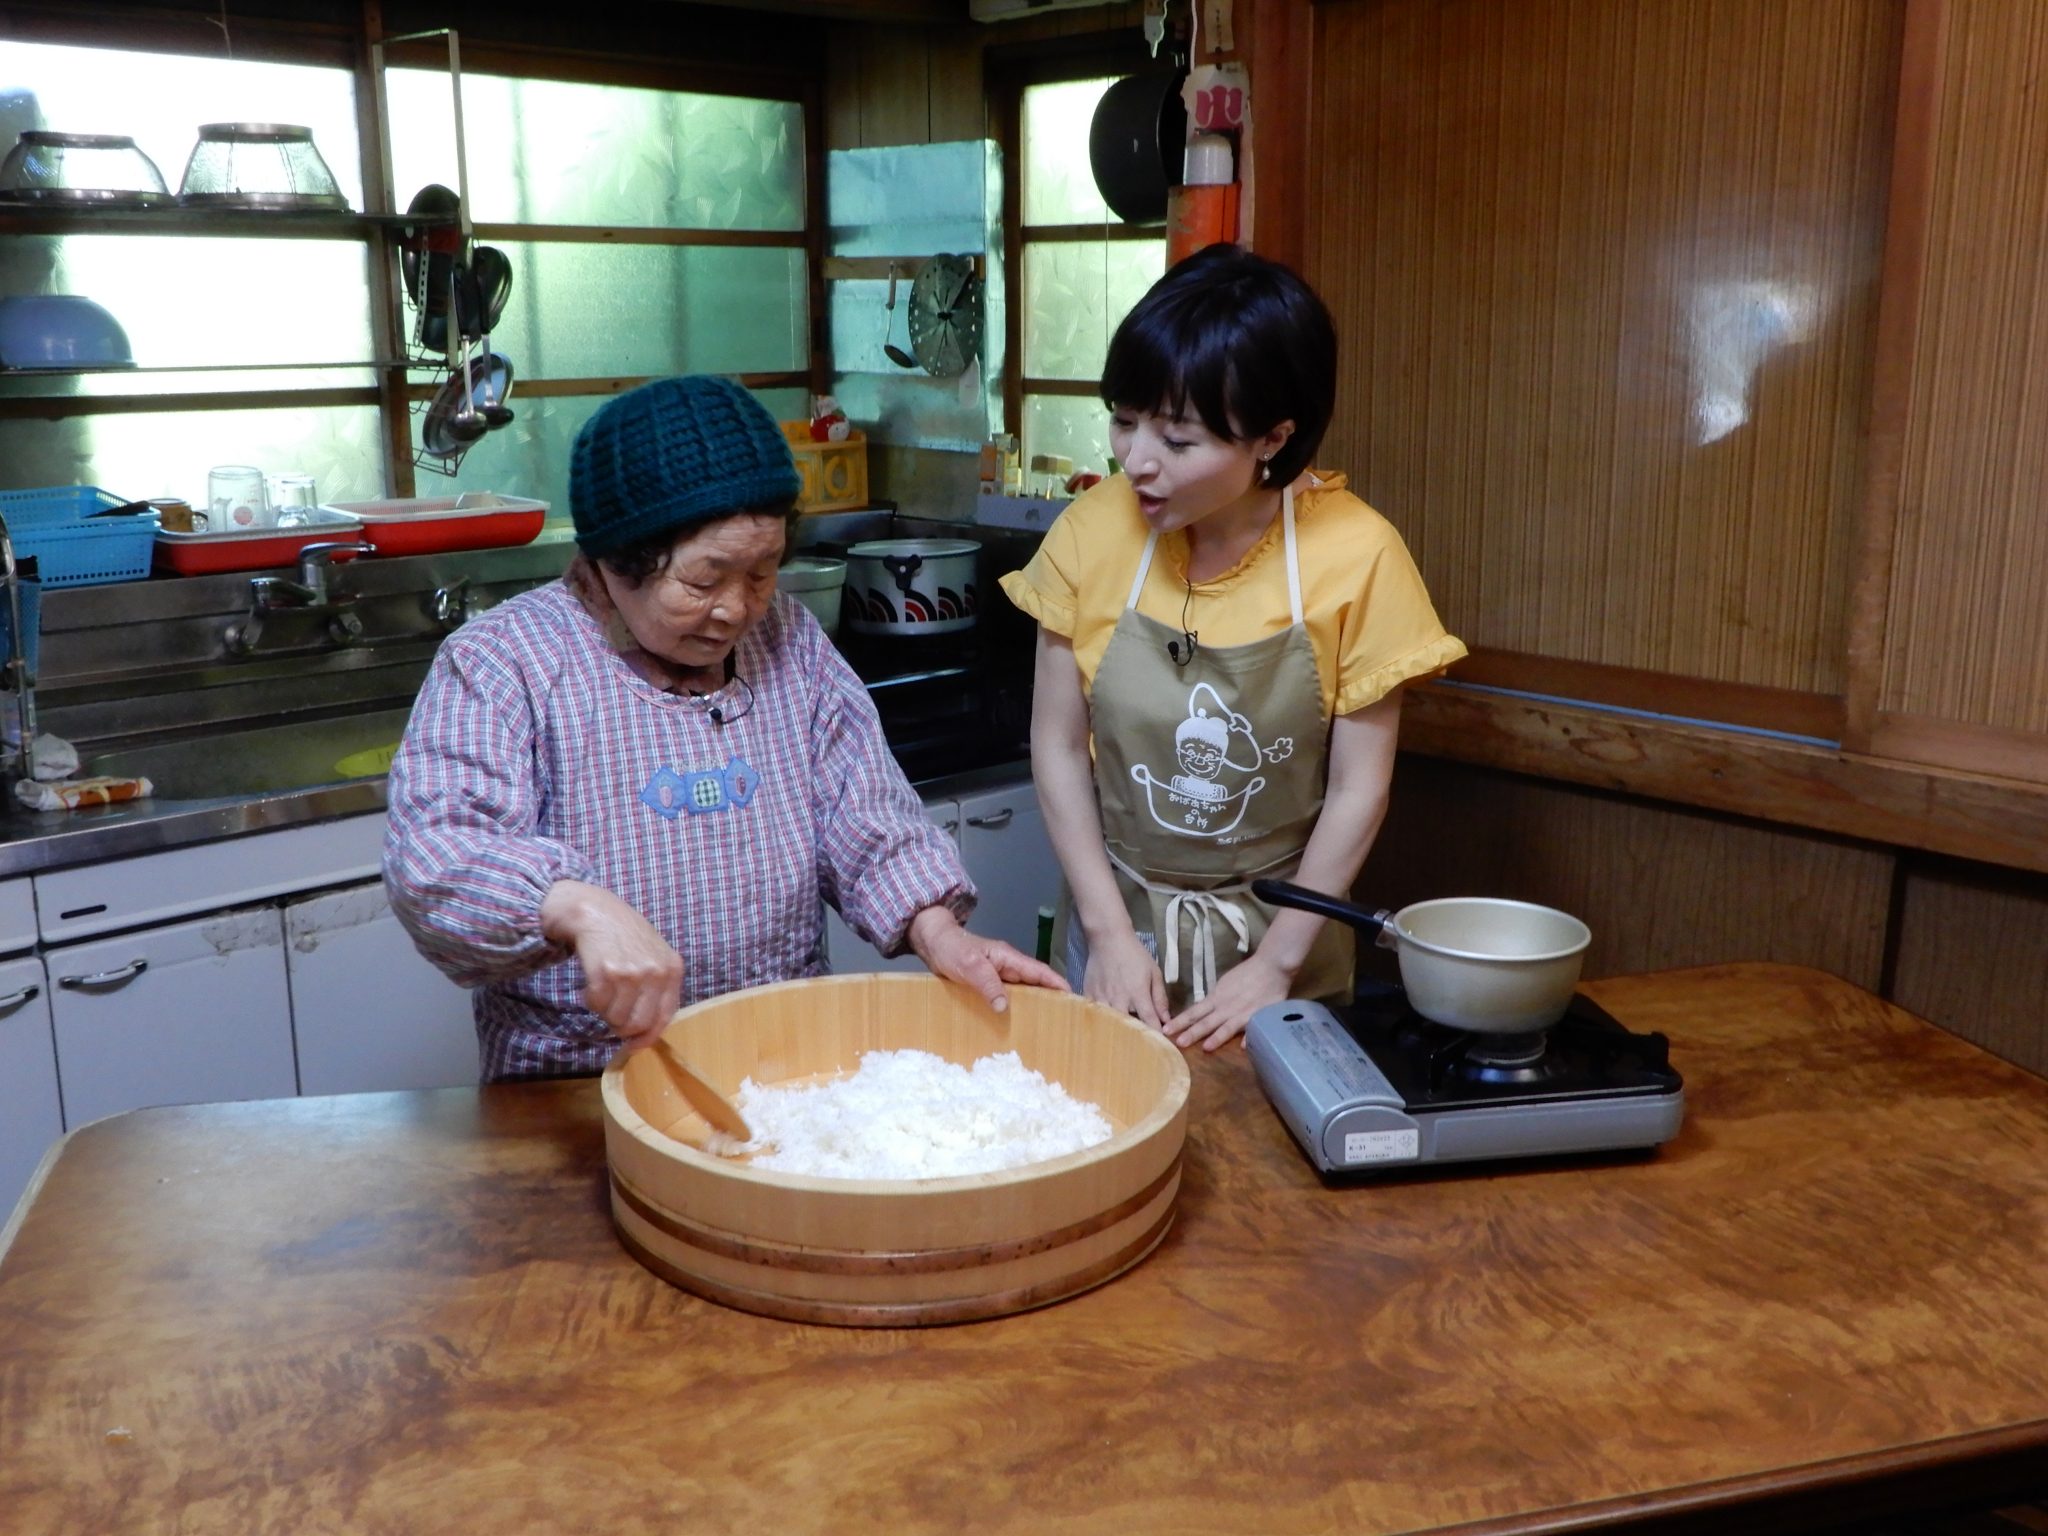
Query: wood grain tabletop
x=408, y=1313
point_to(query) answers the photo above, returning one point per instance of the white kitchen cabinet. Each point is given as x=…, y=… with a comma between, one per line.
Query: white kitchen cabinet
x=1008, y=856
x=17, y=915
x=31, y=1114
x=189, y=1013
x=87, y=899
x=368, y=1012
x=846, y=950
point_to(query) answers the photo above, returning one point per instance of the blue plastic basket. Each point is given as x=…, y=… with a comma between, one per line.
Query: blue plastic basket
x=72, y=547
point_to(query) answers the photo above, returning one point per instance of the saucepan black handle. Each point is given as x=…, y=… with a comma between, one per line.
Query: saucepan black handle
x=1284, y=893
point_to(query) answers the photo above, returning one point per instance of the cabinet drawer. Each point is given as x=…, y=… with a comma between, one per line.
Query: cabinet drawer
x=30, y=1117
x=190, y=1013
x=150, y=887
x=17, y=915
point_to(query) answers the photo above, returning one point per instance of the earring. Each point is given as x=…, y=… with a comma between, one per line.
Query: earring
x=1265, y=471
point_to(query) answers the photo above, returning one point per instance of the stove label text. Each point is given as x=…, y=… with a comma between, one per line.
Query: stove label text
x=1382, y=1146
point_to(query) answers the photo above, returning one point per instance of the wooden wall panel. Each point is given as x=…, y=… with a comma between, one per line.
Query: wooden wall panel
x=1972, y=956
x=1967, y=630
x=1605, y=277
x=1660, y=887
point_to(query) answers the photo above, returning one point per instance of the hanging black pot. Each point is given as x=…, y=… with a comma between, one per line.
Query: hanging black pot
x=1136, y=143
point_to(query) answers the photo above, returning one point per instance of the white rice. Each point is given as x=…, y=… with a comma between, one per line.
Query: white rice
x=914, y=1115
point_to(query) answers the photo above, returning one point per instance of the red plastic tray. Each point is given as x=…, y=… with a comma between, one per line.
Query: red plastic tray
x=248, y=549
x=433, y=525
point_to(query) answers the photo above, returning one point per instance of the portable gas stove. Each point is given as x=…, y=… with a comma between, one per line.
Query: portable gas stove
x=1374, y=1085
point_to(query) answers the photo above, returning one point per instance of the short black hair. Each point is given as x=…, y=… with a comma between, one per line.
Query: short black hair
x=1243, y=340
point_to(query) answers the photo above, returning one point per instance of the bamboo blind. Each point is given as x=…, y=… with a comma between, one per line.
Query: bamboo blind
x=1604, y=273
x=1966, y=634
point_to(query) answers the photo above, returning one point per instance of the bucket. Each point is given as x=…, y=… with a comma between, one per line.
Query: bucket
x=818, y=583
x=892, y=1253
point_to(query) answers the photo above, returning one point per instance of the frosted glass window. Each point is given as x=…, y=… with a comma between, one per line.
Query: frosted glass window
x=168, y=453
x=1074, y=428
x=580, y=310
x=161, y=102
x=1075, y=295
x=555, y=152
x=191, y=301
x=530, y=456
x=1059, y=185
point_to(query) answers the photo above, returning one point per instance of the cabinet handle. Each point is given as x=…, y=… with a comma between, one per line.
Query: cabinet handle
x=949, y=826
x=16, y=999
x=994, y=823
x=118, y=974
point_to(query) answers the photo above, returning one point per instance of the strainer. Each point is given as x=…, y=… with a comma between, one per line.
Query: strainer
x=258, y=165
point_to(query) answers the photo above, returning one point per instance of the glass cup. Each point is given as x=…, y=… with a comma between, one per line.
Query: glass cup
x=292, y=498
x=237, y=498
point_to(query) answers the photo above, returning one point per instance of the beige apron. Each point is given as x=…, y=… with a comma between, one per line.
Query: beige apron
x=1210, y=773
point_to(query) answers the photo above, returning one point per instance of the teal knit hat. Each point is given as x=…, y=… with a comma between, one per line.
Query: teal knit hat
x=671, y=455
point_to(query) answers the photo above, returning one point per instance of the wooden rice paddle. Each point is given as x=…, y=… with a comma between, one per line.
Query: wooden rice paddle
x=702, y=1097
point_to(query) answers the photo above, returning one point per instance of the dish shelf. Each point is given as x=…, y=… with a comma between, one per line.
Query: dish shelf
x=240, y=223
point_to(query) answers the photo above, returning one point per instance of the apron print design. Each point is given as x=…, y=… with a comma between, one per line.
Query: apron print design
x=701, y=791
x=1189, y=801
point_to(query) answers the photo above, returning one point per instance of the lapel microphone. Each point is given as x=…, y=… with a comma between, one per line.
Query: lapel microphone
x=1183, y=650
x=717, y=711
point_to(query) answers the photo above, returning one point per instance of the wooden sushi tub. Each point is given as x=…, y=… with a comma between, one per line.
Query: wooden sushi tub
x=895, y=1252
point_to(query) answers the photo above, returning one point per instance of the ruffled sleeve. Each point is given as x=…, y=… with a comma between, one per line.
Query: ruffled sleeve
x=1048, y=586
x=1392, y=634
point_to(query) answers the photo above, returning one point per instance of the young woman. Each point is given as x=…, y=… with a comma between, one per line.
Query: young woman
x=1223, y=636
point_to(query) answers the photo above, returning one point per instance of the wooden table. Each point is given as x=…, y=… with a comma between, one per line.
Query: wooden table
x=408, y=1313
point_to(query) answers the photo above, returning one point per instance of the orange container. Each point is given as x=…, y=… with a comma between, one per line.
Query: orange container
x=835, y=475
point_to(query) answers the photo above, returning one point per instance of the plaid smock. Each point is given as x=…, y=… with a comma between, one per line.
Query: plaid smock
x=537, y=753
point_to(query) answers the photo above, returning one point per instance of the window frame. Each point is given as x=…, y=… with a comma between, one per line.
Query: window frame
x=1009, y=74
x=395, y=394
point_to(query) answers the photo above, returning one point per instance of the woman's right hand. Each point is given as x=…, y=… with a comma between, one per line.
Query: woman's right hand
x=1123, y=974
x=632, y=978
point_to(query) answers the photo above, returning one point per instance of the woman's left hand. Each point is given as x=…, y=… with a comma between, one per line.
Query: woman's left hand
x=985, y=964
x=1221, y=1016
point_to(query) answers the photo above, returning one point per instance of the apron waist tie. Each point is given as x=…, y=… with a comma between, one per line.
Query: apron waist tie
x=1198, y=906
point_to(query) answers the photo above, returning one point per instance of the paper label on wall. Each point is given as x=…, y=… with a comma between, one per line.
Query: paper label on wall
x=1218, y=97
x=1216, y=27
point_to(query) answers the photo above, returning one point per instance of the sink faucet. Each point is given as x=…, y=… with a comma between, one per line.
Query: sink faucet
x=17, y=676
x=310, y=593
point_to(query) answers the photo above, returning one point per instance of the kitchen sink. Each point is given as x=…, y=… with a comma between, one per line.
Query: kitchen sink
x=260, y=760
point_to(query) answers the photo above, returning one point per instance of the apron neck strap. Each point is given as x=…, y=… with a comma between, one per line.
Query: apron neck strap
x=1293, y=563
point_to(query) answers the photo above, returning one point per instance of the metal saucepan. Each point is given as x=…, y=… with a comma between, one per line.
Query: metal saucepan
x=1481, y=963
x=911, y=587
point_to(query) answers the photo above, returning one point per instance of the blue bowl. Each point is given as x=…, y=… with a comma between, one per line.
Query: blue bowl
x=60, y=331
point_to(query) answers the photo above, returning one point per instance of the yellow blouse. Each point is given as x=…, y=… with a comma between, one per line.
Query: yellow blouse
x=1367, y=612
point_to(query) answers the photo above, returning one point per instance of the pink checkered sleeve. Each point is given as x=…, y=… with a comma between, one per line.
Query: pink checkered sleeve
x=464, y=864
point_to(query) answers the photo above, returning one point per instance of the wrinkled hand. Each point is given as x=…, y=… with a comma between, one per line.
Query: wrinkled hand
x=1239, y=993
x=985, y=964
x=1123, y=974
x=632, y=979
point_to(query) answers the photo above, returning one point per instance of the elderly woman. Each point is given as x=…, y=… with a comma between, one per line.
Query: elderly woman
x=637, y=787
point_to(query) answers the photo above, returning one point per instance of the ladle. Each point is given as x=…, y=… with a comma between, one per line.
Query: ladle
x=890, y=350
x=717, y=1111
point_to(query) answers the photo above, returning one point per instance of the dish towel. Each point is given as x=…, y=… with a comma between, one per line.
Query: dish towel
x=74, y=794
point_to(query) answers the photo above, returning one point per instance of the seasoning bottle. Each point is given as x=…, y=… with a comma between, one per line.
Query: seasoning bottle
x=1203, y=210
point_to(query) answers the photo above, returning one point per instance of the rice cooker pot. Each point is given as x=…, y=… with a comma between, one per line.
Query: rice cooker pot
x=1481, y=963
x=911, y=587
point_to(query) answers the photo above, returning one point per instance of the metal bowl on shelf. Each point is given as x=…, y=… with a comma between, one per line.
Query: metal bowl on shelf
x=83, y=170
x=259, y=165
